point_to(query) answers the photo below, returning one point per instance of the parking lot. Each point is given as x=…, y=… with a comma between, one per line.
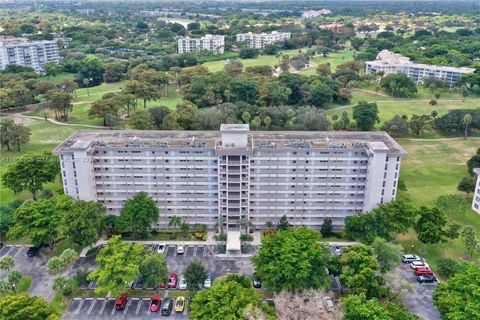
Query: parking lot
x=104, y=308
x=419, y=301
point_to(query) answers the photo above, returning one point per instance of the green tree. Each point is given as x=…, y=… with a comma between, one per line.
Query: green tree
x=39, y=220
x=60, y=285
x=154, y=269
x=195, y=275
x=225, y=300
x=105, y=108
x=292, y=260
x=389, y=255
x=311, y=119
x=366, y=115
x=14, y=278
x=55, y=265
x=22, y=307
x=6, y=263
x=457, y=298
x=7, y=213
x=60, y=102
x=431, y=226
x=320, y=94
x=419, y=123
x=467, y=185
x=69, y=257
x=359, y=271
x=142, y=120
x=357, y=307
x=138, y=215
x=114, y=72
x=467, y=121
x=399, y=85
x=184, y=227
x=384, y=221
x=175, y=222
x=30, y=172
x=474, y=162
x=283, y=223
x=470, y=239
x=327, y=228
x=118, y=266
x=13, y=135
x=83, y=223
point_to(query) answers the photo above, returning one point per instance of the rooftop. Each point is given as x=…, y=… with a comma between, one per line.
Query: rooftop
x=80, y=140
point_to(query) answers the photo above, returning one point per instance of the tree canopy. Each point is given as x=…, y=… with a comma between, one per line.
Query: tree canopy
x=292, y=260
x=83, y=222
x=22, y=307
x=138, y=215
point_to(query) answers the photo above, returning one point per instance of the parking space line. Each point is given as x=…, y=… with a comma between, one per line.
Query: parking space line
x=129, y=302
x=91, y=306
x=103, y=306
x=18, y=251
x=194, y=251
x=79, y=306
x=9, y=249
x=138, y=306
x=175, y=251
x=113, y=309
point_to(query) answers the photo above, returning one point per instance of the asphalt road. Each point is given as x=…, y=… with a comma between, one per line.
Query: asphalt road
x=419, y=301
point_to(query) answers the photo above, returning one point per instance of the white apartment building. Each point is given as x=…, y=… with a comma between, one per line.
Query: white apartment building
x=214, y=43
x=476, y=194
x=309, y=14
x=260, y=40
x=28, y=54
x=235, y=173
x=392, y=63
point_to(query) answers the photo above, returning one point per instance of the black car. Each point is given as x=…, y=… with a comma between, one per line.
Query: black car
x=167, y=307
x=426, y=278
x=257, y=282
x=32, y=251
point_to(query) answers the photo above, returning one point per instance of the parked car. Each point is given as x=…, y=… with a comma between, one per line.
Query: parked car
x=416, y=264
x=257, y=282
x=208, y=282
x=161, y=248
x=183, y=283
x=167, y=307
x=33, y=251
x=121, y=302
x=180, y=304
x=409, y=258
x=162, y=285
x=337, y=250
x=423, y=271
x=172, y=280
x=155, y=304
x=426, y=278
x=180, y=249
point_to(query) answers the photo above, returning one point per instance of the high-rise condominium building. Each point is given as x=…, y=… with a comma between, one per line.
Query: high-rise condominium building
x=235, y=174
x=309, y=14
x=476, y=194
x=28, y=54
x=260, y=40
x=391, y=63
x=214, y=43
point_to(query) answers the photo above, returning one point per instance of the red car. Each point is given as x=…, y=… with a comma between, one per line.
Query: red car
x=172, y=280
x=423, y=271
x=155, y=304
x=121, y=302
x=161, y=285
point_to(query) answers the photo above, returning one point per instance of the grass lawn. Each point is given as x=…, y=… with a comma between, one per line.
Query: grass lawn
x=24, y=284
x=59, y=77
x=430, y=170
x=334, y=59
x=389, y=106
x=45, y=137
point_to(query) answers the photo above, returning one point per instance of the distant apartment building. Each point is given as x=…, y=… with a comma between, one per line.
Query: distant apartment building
x=392, y=63
x=209, y=42
x=235, y=174
x=476, y=194
x=309, y=14
x=260, y=40
x=34, y=54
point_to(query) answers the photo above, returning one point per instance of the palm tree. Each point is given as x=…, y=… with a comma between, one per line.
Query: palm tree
x=244, y=223
x=175, y=222
x=220, y=223
x=14, y=278
x=467, y=120
x=6, y=263
x=269, y=225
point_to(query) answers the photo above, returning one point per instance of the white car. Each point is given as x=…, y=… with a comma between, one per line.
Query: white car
x=183, y=283
x=409, y=258
x=337, y=250
x=417, y=264
x=161, y=248
x=180, y=249
x=208, y=282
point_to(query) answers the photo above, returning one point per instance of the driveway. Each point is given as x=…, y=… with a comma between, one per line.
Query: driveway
x=419, y=301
